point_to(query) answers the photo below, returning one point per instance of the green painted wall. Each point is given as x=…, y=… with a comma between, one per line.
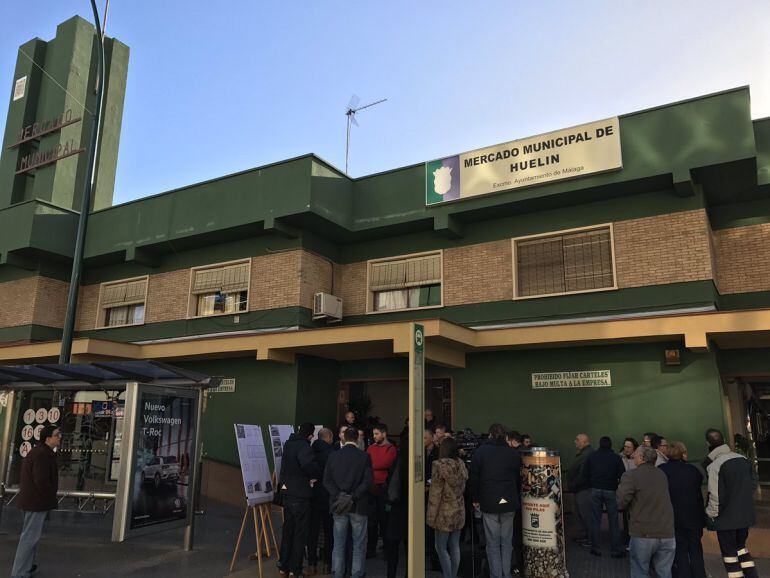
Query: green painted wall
x=680, y=402
x=272, y=318
x=744, y=361
x=265, y=393
x=317, y=387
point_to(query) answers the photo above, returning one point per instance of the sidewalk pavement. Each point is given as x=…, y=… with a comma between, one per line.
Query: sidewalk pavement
x=78, y=545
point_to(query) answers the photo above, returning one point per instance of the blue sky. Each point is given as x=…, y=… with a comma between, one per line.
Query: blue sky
x=218, y=87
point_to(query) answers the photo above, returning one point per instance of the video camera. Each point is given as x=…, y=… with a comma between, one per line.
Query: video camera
x=468, y=442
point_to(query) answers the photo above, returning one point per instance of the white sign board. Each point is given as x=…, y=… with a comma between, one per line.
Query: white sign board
x=538, y=518
x=316, y=430
x=279, y=434
x=254, y=467
x=19, y=88
x=572, y=379
x=225, y=386
x=573, y=152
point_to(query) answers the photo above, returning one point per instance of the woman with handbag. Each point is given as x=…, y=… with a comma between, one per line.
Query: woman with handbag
x=446, y=505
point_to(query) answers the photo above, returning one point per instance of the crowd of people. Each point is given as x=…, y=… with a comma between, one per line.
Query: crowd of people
x=662, y=501
x=355, y=487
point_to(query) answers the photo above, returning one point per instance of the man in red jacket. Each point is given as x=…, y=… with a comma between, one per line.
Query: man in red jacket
x=37, y=495
x=383, y=454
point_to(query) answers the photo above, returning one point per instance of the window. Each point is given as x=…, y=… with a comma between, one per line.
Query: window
x=220, y=290
x=570, y=262
x=122, y=302
x=405, y=283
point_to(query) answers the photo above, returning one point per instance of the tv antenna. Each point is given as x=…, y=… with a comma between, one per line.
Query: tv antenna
x=353, y=108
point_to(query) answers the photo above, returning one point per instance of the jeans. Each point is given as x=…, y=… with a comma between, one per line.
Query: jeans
x=583, y=507
x=735, y=555
x=688, y=560
x=448, y=550
x=498, y=530
x=27, y=548
x=296, y=519
x=658, y=551
x=319, y=519
x=599, y=500
x=358, y=523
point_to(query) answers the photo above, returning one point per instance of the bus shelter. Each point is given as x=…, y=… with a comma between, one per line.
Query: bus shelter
x=130, y=438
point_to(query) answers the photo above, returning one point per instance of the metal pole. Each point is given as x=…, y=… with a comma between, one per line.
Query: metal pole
x=5, y=444
x=77, y=260
x=189, y=530
x=347, y=145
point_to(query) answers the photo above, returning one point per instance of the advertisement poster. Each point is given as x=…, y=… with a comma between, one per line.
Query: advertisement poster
x=163, y=451
x=541, y=512
x=278, y=436
x=254, y=467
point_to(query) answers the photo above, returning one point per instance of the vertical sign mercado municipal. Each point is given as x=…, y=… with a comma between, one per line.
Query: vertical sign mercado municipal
x=568, y=153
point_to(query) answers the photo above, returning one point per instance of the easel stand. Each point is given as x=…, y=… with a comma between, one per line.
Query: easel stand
x=263, y=530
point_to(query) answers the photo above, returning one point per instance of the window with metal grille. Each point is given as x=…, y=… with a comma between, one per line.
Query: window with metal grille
x=566, y=263
x=122, y=302
x=405, y=282
x=220, y=290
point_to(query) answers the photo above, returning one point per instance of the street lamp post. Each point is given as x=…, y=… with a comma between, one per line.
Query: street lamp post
x=93, y=149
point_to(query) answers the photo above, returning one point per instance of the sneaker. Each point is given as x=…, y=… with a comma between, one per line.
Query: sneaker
x=618, y=555
x=595, y=552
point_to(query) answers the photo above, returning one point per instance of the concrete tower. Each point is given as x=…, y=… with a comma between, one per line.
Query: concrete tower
x=50, y=113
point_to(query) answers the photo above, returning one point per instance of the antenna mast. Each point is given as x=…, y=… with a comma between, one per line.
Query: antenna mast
x=353, y=108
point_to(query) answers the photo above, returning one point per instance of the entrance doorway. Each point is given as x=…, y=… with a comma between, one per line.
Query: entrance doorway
x=387, y=401
x=748, y=407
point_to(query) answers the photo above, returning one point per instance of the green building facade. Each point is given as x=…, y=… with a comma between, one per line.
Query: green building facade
x=670, y=303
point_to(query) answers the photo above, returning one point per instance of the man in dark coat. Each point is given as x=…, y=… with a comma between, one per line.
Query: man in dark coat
x=684, y=487
x=730, y=509
x=604, y=471
x=579, y=484
x=299, y=471
x=319, y=512
x=494, y=479
x=37, y=496
x=348, y=479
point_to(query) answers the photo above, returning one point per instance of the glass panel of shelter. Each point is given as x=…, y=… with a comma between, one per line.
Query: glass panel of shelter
x=88, y=455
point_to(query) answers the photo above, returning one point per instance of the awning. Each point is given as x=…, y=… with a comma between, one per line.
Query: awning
x=100, y=375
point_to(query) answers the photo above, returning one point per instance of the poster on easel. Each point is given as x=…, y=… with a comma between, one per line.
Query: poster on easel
x=254, y=466
x=279, y=434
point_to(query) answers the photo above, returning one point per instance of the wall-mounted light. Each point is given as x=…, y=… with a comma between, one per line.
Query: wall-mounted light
x=673, y=357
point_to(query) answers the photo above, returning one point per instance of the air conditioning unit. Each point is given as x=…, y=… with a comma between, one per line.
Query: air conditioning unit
x=326, y=306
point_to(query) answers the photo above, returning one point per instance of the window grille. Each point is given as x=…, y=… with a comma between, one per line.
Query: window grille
x=568, y=263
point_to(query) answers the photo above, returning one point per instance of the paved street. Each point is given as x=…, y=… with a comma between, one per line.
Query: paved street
x=79, y=546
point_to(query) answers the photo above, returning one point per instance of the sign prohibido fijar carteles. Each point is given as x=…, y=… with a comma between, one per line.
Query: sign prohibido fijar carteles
x=571, y=379
x=563, y=154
